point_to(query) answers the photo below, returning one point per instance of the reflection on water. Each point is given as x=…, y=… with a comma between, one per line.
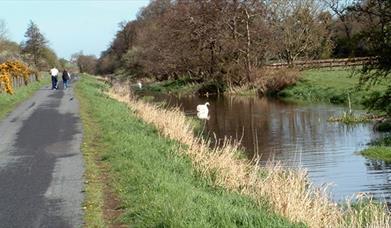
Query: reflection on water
x=298, y=136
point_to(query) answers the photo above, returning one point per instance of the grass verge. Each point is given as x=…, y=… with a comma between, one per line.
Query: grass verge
x=8, y=102
x=91, y=147
x=156, y=184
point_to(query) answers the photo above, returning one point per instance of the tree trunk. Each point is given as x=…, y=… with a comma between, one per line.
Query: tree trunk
x=248, y=47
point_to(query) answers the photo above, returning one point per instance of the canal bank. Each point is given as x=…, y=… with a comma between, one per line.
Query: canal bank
x=287, y=190
x=154, y=184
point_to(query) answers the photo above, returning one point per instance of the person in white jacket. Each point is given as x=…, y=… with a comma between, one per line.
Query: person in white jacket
x=54, y=73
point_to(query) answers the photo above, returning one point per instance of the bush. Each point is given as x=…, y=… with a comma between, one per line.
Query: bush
x=380, y=101
x=212, y=87
x=383, y=126
x=338, y=99
x=272, y=81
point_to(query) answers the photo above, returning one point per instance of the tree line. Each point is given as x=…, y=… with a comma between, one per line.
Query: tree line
x=216, y=40
x=230, y=40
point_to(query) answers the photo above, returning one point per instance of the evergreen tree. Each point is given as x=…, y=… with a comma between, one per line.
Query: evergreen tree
x=35, y=44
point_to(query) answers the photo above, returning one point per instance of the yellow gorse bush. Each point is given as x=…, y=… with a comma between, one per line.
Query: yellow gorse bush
x=11, y=70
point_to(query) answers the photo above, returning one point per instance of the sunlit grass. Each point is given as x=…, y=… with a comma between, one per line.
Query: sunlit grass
x=330, y=86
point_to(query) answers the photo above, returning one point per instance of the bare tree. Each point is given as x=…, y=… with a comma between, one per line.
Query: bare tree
x=296, y=28
x=3, y=30
x=340, y=9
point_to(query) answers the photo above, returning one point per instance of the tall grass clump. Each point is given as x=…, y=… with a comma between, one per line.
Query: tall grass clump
x=288, y=191
x=271, y=81
x=350, y=118
x=267, y=82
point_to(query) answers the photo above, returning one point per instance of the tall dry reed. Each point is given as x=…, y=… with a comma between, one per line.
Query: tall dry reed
x=288, y=191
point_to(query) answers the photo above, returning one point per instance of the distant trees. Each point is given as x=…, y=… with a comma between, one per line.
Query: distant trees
x=9, y=49
x=49, y=59
x=85, y=63
x=344, y=23
x=230, y=41
x=218, y=40
x=3, y=30
x=227, y=41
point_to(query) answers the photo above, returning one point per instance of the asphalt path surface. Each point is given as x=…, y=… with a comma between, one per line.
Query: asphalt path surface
x=41, y=166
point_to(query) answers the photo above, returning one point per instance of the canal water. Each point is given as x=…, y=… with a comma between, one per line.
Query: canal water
x=299, y=136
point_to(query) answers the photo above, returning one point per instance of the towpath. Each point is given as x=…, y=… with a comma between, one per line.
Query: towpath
x=41, y=166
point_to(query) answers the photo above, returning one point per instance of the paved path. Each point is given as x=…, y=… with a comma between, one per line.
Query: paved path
x=41, y=165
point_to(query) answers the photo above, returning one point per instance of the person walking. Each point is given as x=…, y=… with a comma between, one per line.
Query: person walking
x=54, y=73
x=65, y=78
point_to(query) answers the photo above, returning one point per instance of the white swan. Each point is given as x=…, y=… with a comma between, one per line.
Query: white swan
x=203, y=115
x=203, y=108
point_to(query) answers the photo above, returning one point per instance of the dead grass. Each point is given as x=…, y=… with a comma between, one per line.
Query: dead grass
x=272, y=81
x=288, y=191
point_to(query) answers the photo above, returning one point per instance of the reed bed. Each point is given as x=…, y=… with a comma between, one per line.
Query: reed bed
x=288, y=191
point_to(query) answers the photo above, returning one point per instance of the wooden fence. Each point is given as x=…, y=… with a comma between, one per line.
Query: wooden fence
x=323, y=63
x=19, y=81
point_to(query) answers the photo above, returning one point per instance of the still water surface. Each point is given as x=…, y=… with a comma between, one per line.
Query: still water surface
x=299, y=136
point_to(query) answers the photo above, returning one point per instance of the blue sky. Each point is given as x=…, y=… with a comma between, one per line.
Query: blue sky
x=70, y=26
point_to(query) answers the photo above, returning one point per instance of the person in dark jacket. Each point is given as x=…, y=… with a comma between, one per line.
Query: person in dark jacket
x=65, y=78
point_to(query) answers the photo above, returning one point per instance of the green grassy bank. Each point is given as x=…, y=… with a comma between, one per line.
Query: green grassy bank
x=8, y=102
x=330, y=86
x=316, y=85
x=156, y=187
x=379, y=150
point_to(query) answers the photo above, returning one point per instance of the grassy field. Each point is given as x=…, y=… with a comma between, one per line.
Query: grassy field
x=331, y=86
x=156, y=186
x=8, y=102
